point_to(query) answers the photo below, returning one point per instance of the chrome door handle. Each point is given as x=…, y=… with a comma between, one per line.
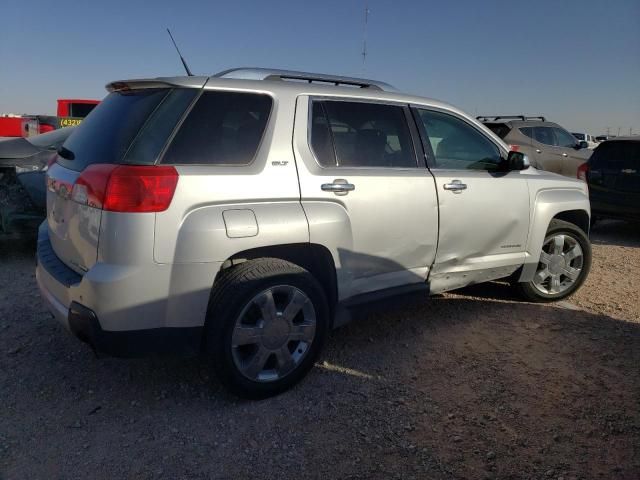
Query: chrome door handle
x=456, y=186
x=565, y=155
x=339, y=186
x=538, y=150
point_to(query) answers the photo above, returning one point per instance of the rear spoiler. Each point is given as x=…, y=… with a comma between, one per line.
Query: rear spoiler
x=496, y=118
x=161, y=82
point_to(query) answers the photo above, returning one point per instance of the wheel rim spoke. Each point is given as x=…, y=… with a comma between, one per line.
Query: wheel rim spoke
x=545, y=258
x=554, y=284
x=572, y=273
x=267, y=306
x=541, y=276
x=285, y=360
x=257, y=362
x=298, y=299
x=303, y=332
x=246, y=335
x=574, y=253
x=558, y=244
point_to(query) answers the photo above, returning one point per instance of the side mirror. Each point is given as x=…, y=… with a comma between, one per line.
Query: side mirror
x=582, y=144
x=517, y=161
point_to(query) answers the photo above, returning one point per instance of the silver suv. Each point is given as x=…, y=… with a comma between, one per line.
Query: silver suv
x=242, y=216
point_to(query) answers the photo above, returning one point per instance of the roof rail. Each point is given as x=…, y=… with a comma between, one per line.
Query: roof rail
x=270, y=74
x=495, y=118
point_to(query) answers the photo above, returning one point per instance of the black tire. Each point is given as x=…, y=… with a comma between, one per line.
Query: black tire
x=528, y=289
x=231, y=293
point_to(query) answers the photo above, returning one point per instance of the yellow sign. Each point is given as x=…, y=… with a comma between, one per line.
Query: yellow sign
x=70, y=122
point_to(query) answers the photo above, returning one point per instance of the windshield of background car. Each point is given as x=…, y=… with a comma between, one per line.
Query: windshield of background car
x=579, y=136
x=130, y=126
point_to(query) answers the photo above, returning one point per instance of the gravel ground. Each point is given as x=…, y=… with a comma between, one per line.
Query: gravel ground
x=472, y=384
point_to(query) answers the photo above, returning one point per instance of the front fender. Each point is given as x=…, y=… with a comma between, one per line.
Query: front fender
x=547, y=204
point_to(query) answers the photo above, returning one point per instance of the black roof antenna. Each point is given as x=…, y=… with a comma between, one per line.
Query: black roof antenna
x=178, y=50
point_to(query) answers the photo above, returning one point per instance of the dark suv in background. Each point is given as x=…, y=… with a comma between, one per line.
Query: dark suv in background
x=548, y=146
x=613, y=176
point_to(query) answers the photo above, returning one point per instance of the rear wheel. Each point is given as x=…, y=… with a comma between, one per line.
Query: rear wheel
x=563, y=266
x=266, y=324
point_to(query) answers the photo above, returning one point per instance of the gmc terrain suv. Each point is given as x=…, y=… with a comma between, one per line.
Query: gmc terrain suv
x=548, y=146
x=241, y=216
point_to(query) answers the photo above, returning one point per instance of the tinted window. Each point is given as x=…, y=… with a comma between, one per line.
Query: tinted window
x=106, y=134
x=457, y=145
x=223, y=128
x=579, y=136
x=80, y=109
x=564, y=138
x=527, y=131
x=616, y=156
x=500, y=129
x=363, y=135
x=544, y=135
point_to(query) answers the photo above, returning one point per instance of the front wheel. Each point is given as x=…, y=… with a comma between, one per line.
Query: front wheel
x=266, y=324
x=563, y=266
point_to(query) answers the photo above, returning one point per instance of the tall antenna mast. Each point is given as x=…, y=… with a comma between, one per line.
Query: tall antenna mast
x=184, y=64
x=364, y=35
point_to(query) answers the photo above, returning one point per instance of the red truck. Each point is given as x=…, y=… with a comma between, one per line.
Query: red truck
x=70, y=113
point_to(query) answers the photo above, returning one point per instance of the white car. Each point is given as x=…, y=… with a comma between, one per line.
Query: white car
x=585, y=137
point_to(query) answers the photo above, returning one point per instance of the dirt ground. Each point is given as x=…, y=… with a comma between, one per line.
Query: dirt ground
x=473, y=384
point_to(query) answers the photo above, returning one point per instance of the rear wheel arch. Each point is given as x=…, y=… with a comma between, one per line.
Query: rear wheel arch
x=314, y=258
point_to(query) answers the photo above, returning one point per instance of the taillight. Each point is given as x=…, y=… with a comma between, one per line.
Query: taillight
x=126, y=188
x=583, y=170
x=514, y=148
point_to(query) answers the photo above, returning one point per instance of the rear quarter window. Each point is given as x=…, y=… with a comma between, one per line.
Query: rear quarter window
x=223, y=128
x=108, y=132
x=500, y=129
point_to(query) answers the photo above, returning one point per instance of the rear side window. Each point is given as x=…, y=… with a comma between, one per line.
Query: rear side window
x=544, y=135
x=564, y=138
x=223, y=128
x=527, y=131
x=500, y=129
x=106, y=135
x=359, y=134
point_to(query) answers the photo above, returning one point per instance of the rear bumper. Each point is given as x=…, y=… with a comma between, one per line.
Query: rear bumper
x=110, y=309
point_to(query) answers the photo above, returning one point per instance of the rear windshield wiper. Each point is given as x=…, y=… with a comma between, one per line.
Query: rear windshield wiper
x=66, y=153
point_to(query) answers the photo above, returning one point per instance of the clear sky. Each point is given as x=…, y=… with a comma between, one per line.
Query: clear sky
x=575, y=61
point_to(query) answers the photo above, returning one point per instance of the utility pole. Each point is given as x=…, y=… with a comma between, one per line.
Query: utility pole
x=630, y=128
x=608, y=131
x=618, y=132
x=364, y=36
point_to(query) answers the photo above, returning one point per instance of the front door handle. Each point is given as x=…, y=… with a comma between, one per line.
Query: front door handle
x=339, y=186
x=565, y=155
x=538, y=150
x=456, y=186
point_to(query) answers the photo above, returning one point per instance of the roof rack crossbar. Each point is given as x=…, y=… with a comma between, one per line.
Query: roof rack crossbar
x=495, y=118
x=269, y=74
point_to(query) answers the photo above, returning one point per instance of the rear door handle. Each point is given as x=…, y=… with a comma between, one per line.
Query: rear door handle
x=565, y=155
x=456, y=186
x=538, y=150
x=339, y=186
